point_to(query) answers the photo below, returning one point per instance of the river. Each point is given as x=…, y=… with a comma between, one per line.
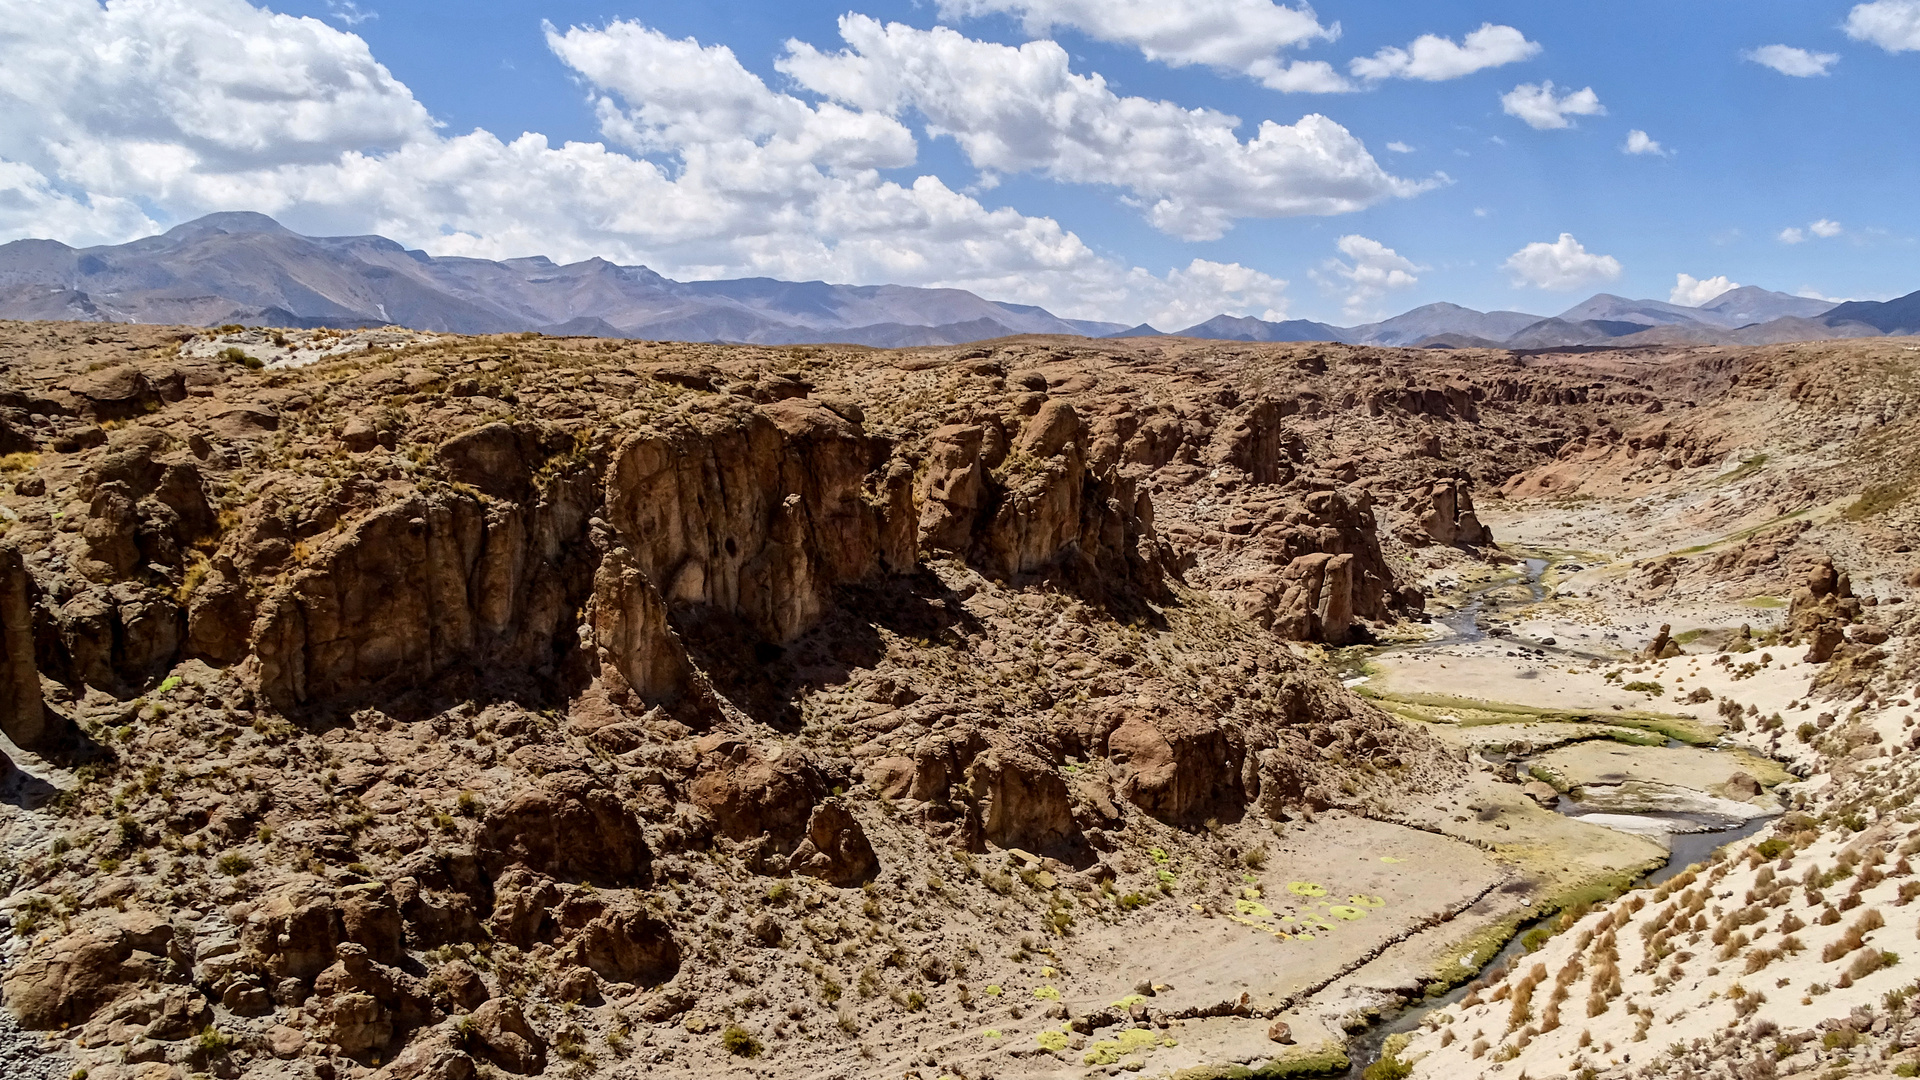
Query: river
x=1692, y=841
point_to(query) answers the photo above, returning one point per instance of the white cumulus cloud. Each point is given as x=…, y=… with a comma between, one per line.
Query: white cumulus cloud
x=1244, y=36
x=1639, y=142
x=127, y=117
x=1023, y=109
x=1435, y=59
x=1789, y=60
x=1561, y=266
x=1369, y=271
x=1894, y=25
x=1690, y=291
x=1543, y=110
x=1205, y=289
x=1825, y=229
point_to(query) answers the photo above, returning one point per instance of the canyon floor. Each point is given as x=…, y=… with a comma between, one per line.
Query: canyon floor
x=382, y=704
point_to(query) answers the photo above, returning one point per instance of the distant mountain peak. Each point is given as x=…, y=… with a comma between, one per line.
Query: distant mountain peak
x=229, y=223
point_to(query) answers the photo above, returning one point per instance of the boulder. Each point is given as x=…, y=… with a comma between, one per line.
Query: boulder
x=750, y=793
x=432, y=1058
x=1023, y=801
x=1179, y=769
x=618, y=940
x=571, y=826
x=1743, y=787
x=506, y=1039
x=466, y=988
x=836, y=849
x=63, y=982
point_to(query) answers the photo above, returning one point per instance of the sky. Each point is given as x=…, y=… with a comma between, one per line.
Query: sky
x=1153, y=161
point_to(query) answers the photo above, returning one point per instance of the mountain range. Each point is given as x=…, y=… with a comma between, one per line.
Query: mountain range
x=247, y=268
x=1743, y=316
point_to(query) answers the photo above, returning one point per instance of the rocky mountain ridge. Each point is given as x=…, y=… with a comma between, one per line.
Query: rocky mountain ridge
x=248, y=269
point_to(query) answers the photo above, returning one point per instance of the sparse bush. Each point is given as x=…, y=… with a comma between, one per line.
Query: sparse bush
x=739, y=1042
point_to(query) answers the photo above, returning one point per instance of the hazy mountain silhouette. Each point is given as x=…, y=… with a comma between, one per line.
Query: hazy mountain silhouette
x=248, y=268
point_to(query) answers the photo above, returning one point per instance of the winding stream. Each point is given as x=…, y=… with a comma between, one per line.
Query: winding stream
x=1692, y=840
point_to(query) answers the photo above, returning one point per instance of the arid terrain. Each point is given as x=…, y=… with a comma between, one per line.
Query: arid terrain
x=383, y=704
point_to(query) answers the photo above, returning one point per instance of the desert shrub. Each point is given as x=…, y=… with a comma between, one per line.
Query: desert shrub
x=739, y=1042
x=1868, y=961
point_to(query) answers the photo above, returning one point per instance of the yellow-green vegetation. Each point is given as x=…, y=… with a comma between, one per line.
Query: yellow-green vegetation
x=1329, y=1059
x=1131, y=1041
x=1744, y=534
x=1475, y=712
x=1764, y=602
x=1478, y=949
x=1306, y=888
x=1046, y=993
x=1052, y=1041
x=1550, y=777
x=21, y=462
x=1878, y=499
x=1747, y=468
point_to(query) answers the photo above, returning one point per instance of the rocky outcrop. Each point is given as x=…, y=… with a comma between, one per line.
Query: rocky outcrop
x=1023, y=802
x=758, y=514
x=955, y=490
x=1179, y=769
x=66, y=981
x=23, y=714
x=751, y=793
x=1821, y=610
x=1446, y=514
x=424, y=587
x=1662, y=647
x=506, y=1039
x=1317, y=570
x=836, y=849
x=570, y=826
x=1035, y=507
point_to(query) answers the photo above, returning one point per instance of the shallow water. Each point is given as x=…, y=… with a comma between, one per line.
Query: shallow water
x=1698, y=842
x=1688, y=848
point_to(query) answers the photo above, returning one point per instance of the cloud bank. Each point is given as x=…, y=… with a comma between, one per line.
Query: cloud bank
x=127, y=117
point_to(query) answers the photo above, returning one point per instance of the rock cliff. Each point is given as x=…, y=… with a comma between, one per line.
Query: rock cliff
x=448, y=691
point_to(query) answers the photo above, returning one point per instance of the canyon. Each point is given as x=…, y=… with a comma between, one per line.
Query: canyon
x=400, y=704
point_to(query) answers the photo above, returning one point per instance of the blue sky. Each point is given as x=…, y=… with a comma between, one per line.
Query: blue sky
x=1795, y=174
